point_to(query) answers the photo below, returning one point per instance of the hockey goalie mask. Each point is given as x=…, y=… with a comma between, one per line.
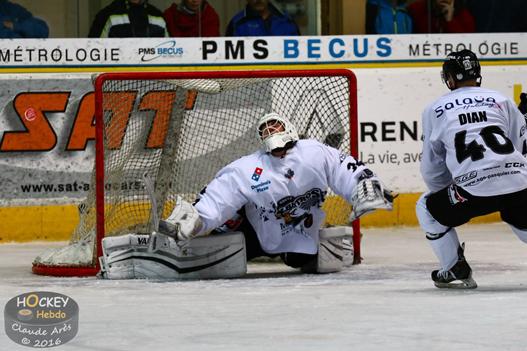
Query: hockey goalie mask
x=275, y=131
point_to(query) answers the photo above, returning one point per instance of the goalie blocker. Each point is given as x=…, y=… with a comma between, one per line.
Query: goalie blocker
x=220, y=256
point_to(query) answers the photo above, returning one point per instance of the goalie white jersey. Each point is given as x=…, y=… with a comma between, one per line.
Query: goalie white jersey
x=282, y=196
x=475, y=138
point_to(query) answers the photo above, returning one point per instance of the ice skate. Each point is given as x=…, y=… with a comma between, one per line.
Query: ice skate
x=458, y=277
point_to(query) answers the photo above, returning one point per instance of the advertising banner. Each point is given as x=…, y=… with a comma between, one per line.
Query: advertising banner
x=46, y=146
x=96, y=53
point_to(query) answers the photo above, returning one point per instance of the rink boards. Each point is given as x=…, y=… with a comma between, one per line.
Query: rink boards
x=46, y=174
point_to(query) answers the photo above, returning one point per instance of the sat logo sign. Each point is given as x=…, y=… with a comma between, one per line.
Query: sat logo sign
x=167, y=49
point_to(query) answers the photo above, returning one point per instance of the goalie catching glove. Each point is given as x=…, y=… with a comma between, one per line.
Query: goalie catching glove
x=370, y=195
x=183, y=223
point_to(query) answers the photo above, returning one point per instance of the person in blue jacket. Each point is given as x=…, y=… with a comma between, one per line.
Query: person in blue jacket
x=388, y=17
x=17, y=22
x=261, y=18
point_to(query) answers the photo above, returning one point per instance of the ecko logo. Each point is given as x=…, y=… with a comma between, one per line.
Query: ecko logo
x=167, y=49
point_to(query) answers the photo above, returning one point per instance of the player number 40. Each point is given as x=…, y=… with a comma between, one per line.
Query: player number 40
x=475, y=151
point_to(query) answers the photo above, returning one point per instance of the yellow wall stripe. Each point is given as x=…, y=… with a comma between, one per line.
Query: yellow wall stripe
x=54, y=222
x=517, y=91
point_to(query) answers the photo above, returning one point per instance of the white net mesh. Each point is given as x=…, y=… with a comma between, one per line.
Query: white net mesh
x=182, y=131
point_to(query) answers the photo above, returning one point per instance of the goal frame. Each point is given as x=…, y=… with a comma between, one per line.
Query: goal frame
x=99, y=144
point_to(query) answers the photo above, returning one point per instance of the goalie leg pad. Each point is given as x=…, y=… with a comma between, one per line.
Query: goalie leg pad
x=211, y=257
x=335, y=251
x=119, y=249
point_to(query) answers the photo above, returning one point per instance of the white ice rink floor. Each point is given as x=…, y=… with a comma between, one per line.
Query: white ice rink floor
x=386, y=303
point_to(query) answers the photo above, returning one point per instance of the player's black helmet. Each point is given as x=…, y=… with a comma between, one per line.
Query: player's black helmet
x=460, y=66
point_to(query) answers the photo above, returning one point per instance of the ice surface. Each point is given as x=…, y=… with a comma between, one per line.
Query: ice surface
x=386, y=303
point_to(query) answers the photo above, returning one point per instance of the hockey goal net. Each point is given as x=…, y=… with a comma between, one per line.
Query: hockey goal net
x=178, y=129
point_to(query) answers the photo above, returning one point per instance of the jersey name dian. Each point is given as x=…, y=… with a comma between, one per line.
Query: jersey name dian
x=475, y=137
x=282, y=196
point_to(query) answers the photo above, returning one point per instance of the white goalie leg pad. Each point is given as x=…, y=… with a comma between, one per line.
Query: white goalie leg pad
x=114, y=249
x=211, y=257
x=335, y=250
x=521, y=234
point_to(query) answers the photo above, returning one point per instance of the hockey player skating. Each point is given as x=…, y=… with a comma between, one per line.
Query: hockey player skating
x=273, y=197
x=473, y=163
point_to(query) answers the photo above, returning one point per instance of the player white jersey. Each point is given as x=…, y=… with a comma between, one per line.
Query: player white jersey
x=282, y=196
x=475, y=138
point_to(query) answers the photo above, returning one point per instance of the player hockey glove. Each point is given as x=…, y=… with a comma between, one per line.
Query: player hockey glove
x=370, y=195
x=183, y=223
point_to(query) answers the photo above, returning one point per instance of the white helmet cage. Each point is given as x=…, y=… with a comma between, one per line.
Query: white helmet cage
x=275, y=131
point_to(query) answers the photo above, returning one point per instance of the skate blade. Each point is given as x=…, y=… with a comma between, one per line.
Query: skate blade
x=468, y=283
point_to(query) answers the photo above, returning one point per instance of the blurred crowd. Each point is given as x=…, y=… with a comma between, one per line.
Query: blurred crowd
x=197, y=18
x=17, y=22
x=445, y=16
x=189, y=18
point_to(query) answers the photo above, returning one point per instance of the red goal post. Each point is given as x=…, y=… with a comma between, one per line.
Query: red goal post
x=194, y=106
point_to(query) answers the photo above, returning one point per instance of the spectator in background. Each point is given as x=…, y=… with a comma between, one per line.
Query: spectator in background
x=441, y=16
x=261, y=18
x=128, y=19
x=499, y=16
x=387, y=17
x=192, y=18
x=17, y=22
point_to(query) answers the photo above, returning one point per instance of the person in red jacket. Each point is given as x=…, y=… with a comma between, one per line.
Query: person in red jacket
x=192, y=18
x=444, y=16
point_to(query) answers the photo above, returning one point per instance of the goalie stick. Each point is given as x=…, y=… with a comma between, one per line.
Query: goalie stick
x=149, y=186
x=161, y=226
